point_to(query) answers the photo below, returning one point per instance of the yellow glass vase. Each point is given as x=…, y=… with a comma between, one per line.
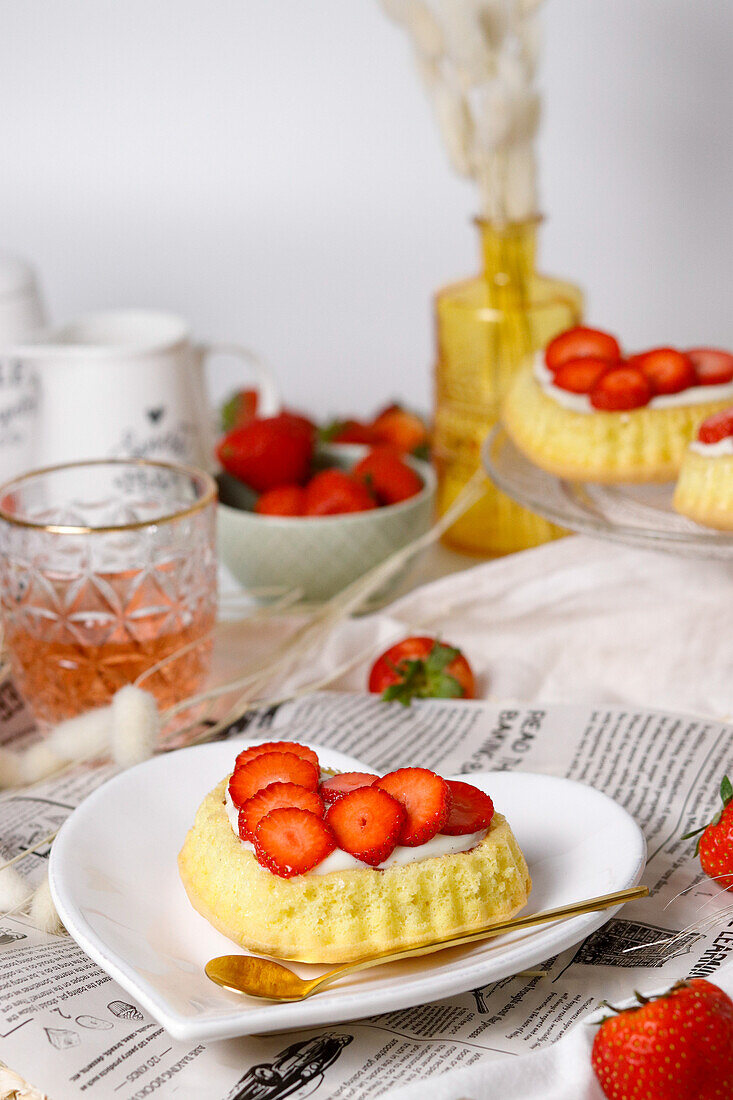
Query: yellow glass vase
x=486, y=327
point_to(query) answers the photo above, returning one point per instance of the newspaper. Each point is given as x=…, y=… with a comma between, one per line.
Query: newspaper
x=73, y=1032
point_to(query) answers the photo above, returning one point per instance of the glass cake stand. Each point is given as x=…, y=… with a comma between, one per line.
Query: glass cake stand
x=638, y=515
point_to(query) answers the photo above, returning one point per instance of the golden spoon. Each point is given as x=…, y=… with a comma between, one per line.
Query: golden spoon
x=273, y=981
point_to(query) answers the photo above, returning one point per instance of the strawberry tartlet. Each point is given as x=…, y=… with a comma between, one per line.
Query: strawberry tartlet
x=584, y=411
x=291, y=861
x=704, y=490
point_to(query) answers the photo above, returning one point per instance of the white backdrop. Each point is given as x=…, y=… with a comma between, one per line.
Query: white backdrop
x=270, y=169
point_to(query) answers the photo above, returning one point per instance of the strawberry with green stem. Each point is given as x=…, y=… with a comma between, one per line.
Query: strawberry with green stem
x=715, y=840
x=421, y=668
x=678, y=1046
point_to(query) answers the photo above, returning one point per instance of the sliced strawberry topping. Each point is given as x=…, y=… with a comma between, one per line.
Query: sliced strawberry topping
x=666, y=369
x=339, y=785
x=580, y=375
x=276, y=746
x=470, y=811
x=425, y=796
x=620, y=389
x=276, y=797
x=367, y=823
x=270, y=767
x=291, y=841
x=713, y=366
x=716, y=427
x=581, y=343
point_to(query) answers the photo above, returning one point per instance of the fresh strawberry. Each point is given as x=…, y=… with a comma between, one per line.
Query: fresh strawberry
x=581, y=343
x=333, y=492
x=713, y=366
x=386, y=476
x=291, y=841
x=716, y=427
x=348, y=431
x=421, y=668
x=715, y=845
x=270, y=767
x=298, y=422
x=302, y=751
x=338, y=785
x=470, y=810
x=273, y=451
x=275, y=797
x=367, y=823
x=580, y=375
x=426, y=798
x=283, y=500
x=401, y=429
x=620, y=389
x=666, y=369
x=675, y=1047
x=240, y=408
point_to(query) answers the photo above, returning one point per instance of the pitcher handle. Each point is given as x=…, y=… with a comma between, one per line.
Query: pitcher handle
x=268, y=400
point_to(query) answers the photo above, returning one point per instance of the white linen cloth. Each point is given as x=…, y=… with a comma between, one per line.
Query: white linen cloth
x=577, y=620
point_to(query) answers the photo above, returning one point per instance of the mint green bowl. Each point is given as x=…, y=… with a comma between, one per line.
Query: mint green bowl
x=319, y=555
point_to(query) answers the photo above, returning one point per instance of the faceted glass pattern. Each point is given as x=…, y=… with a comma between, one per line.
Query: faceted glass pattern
x=107, y=569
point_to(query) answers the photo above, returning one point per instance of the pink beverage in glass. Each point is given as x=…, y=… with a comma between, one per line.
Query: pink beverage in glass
x=107, y=569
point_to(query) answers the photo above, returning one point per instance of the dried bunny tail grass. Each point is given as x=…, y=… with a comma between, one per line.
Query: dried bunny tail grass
x=478, y=60
x=14, y=890
x=43, y=913
x=13, y=1087
x=126, y=730
x=135, y=726
x=11, y=769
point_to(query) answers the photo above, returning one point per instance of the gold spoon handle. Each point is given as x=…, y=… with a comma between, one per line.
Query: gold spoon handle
x=575, y=909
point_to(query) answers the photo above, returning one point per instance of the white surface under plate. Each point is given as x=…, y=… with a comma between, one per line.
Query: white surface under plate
x=115, y=882
x=638, y=515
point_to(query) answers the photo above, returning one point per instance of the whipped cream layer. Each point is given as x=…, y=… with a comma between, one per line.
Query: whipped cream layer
x=580, y=402
x=342, y=861
x=712, y=450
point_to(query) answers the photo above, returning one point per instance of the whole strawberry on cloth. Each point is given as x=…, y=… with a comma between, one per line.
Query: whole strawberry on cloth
x=678, y=1046
x=715, y=844
x=421, y=667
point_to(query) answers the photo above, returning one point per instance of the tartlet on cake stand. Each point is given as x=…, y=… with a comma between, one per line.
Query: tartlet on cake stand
x=637, y=515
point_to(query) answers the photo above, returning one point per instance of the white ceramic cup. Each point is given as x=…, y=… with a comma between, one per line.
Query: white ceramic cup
x=21, y=316
x=129, y=384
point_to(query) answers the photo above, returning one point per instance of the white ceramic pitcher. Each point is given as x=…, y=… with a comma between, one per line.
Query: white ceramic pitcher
x=21, y=316
x=129, y=384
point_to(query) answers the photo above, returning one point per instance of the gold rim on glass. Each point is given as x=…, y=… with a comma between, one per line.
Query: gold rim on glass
x=200, y=478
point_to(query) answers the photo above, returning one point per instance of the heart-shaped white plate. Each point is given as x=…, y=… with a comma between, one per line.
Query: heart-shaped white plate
x=114, y=880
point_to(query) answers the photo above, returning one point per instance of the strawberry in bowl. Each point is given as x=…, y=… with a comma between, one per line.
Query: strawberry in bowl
x=319, y=531
x=289, y=859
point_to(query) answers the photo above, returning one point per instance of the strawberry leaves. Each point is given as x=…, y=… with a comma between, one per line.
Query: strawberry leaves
x=425, y=679
x=726, y=796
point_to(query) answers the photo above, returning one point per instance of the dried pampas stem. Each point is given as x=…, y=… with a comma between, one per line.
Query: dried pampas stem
x=477, y=60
